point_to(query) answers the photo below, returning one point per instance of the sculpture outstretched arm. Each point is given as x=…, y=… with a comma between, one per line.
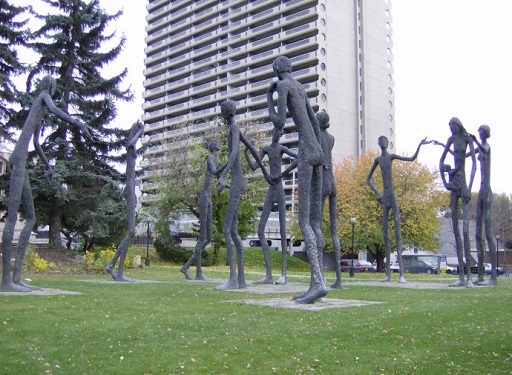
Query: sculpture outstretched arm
x=253, y=165
x=437, y=143
x=289, y=168
x=480, y=147
x=214, y=166
x=256, y=157
x=415, y=155
x=289, y=152
x=84, y=129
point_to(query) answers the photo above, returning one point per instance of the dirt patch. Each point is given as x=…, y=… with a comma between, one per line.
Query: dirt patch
x=66, y=262
x=57, y=255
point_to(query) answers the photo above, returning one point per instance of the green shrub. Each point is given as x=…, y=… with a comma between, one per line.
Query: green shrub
x=169, y=250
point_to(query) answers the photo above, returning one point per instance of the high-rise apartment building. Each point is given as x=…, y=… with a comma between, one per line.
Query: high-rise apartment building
x=200, y=53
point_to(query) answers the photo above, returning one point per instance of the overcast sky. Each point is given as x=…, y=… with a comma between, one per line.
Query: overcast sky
x=451, y=58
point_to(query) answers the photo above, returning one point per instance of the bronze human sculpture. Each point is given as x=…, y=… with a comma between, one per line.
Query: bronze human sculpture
x=131, y=204
x=388, y=200
x=233, y=166
x=457, y=145
x=205, y=213
x=291, y=96
x=275, y=195
x=20, y=192
x=329, y=189
x=484, y=208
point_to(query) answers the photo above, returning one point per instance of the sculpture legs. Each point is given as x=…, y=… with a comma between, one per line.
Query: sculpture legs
x=30, y=220
x=483, y=216
x=385, y=235
x=467, y=243
x=205, y=237
x=263, y=241
x=310, y=209
x=479, y=239
x=16, y=197
x=334, y=236
x=454, y=207
x=233, y=243
x=284, y=244
x=398, y=241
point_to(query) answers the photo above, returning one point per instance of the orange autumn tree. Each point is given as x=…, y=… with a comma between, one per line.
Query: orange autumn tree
x=419, y=197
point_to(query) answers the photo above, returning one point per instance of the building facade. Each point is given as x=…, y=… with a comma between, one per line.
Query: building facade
x=200, y=53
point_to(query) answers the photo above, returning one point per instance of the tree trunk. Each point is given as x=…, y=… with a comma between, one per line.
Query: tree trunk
x=56, y=225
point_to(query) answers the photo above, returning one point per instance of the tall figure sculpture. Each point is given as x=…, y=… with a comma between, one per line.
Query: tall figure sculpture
x=329, y=189
x=292, y=96
x=388, y=201
x=230, y=229
x=275, y=195
x=131, y=203
x=484, y=208
x=459, y=189
x=20, y=192
x=205, y=213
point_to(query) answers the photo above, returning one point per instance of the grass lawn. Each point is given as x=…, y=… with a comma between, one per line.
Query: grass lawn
x=172, y=326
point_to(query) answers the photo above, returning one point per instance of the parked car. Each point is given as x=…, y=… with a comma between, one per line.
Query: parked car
x=393, y=267
x=366, y=264
x=347, y=264
x=452, y=270
x=501, y=270
x=419, y=266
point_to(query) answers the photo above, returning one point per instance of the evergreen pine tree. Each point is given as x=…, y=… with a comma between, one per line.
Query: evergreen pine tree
x=12, y=34
x=73, y=44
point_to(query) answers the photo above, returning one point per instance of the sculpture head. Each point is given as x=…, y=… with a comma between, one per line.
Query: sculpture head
x=484, y=131
x=228, y=109
x=323, y=119
x=446, y=168
x=456, y=126
x=213, y=145
x=48, y=83
x=383, y=142
x=282, y=65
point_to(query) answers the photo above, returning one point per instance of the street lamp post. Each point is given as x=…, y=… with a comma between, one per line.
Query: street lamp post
x=353, y=222
x=497, y=242
x=147, y=247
